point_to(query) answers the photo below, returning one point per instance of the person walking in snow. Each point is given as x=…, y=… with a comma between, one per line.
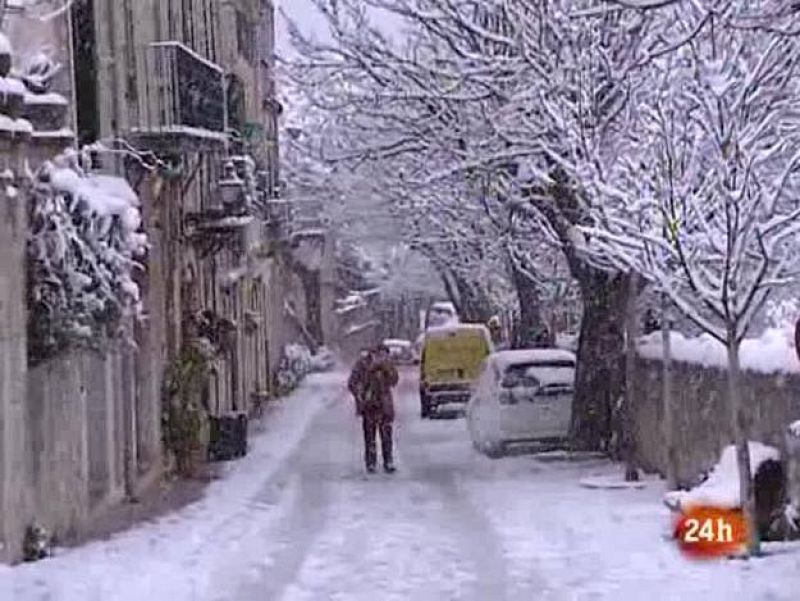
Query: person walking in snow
x=378, y=409
x=358, y=378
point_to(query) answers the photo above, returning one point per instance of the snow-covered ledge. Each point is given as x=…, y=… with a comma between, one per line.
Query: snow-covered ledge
x=773, y=352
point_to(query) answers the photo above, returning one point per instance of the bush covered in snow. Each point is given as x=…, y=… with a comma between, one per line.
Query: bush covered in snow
x=297, y=362
x=294, y=366
x=84, y=240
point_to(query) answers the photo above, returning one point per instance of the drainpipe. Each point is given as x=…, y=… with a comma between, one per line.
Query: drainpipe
x=129, y=422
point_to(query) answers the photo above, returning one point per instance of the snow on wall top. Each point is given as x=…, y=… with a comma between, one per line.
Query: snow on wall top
x=722, y=487
x=50, y=98
x=397, y=342
x=106, y=194
x=773, y=352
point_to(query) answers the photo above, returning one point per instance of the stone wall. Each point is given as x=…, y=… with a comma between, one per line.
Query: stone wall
x=15, y=489
x=86, y=450
x=701, y=418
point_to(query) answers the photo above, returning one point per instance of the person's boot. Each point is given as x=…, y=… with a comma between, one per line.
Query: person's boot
x=389, y=468
x=371, y=469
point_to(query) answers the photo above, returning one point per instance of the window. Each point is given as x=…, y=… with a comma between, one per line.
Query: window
x=85, y=71
x=188, y=21
x=236, y=103
x=245, y=37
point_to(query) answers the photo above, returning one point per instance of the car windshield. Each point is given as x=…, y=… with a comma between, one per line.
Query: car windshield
x=538, y=373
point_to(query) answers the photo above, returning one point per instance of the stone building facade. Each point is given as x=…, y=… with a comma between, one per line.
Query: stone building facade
x=178, y=98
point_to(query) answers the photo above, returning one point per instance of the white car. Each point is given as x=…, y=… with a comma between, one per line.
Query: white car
x=441, y=313
x=400, y=351
x=522, y=396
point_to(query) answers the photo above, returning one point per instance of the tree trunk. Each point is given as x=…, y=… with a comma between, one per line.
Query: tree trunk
x=312, y=291
x=599, y=376
x=793, y=477
x=450, y=290
x=668, y=412
x=739, y=417
x=530, y=324
x=627, y=438
x=475, y=306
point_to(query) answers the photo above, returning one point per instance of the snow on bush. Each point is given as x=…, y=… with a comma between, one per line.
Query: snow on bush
x=297, y=362
x=324, y=360
x=84, y=241
x=721, y=489
x=772, y=352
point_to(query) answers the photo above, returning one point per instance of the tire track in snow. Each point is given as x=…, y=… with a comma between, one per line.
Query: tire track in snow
x=282, y=517
x=477, y=540
x=309, y=472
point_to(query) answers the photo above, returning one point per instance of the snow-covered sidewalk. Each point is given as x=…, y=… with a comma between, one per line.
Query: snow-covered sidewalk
x=172, y=558
x=579, y=543
x=298, y=520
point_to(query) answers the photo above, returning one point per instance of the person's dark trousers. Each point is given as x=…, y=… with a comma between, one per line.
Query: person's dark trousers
x=375, y=422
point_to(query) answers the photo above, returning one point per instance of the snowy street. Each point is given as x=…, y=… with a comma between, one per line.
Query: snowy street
x=298, y=520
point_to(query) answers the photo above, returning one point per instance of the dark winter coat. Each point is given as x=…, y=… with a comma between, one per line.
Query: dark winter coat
x=381, y=378
x=356, y=384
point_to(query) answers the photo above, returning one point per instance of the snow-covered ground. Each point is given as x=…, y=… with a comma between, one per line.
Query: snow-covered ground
x=174, y=557
x=297, y=520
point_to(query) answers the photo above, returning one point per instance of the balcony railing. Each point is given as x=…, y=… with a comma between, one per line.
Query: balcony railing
x=182, y=93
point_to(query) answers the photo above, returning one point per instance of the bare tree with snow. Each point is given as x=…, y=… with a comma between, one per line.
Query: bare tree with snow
x=701, y=195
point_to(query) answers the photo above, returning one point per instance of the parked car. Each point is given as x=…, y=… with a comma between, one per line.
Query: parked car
x=441, y=313
x=400, y=350
x=522, y=396
x=451, y=361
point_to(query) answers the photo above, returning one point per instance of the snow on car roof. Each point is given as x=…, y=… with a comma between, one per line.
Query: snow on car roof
x=446, y=330
x=443, y=306
x=397, y=342
x=504, y=359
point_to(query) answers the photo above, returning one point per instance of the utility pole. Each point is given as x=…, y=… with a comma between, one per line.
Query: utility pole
x=666, y=422
x=631, y=334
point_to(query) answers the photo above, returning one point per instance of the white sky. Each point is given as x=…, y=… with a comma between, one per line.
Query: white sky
x=309, y=20
x=304, y=14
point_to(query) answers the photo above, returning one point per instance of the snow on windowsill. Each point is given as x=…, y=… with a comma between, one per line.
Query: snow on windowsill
x=63, y=133
x=773, y=352
x=17, y=126
x=231, y=222
x=195, y=132
x=309, y=233
x=45, y=99
x=722, y=487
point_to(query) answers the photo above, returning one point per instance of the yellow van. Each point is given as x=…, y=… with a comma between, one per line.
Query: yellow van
x=451, y=361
